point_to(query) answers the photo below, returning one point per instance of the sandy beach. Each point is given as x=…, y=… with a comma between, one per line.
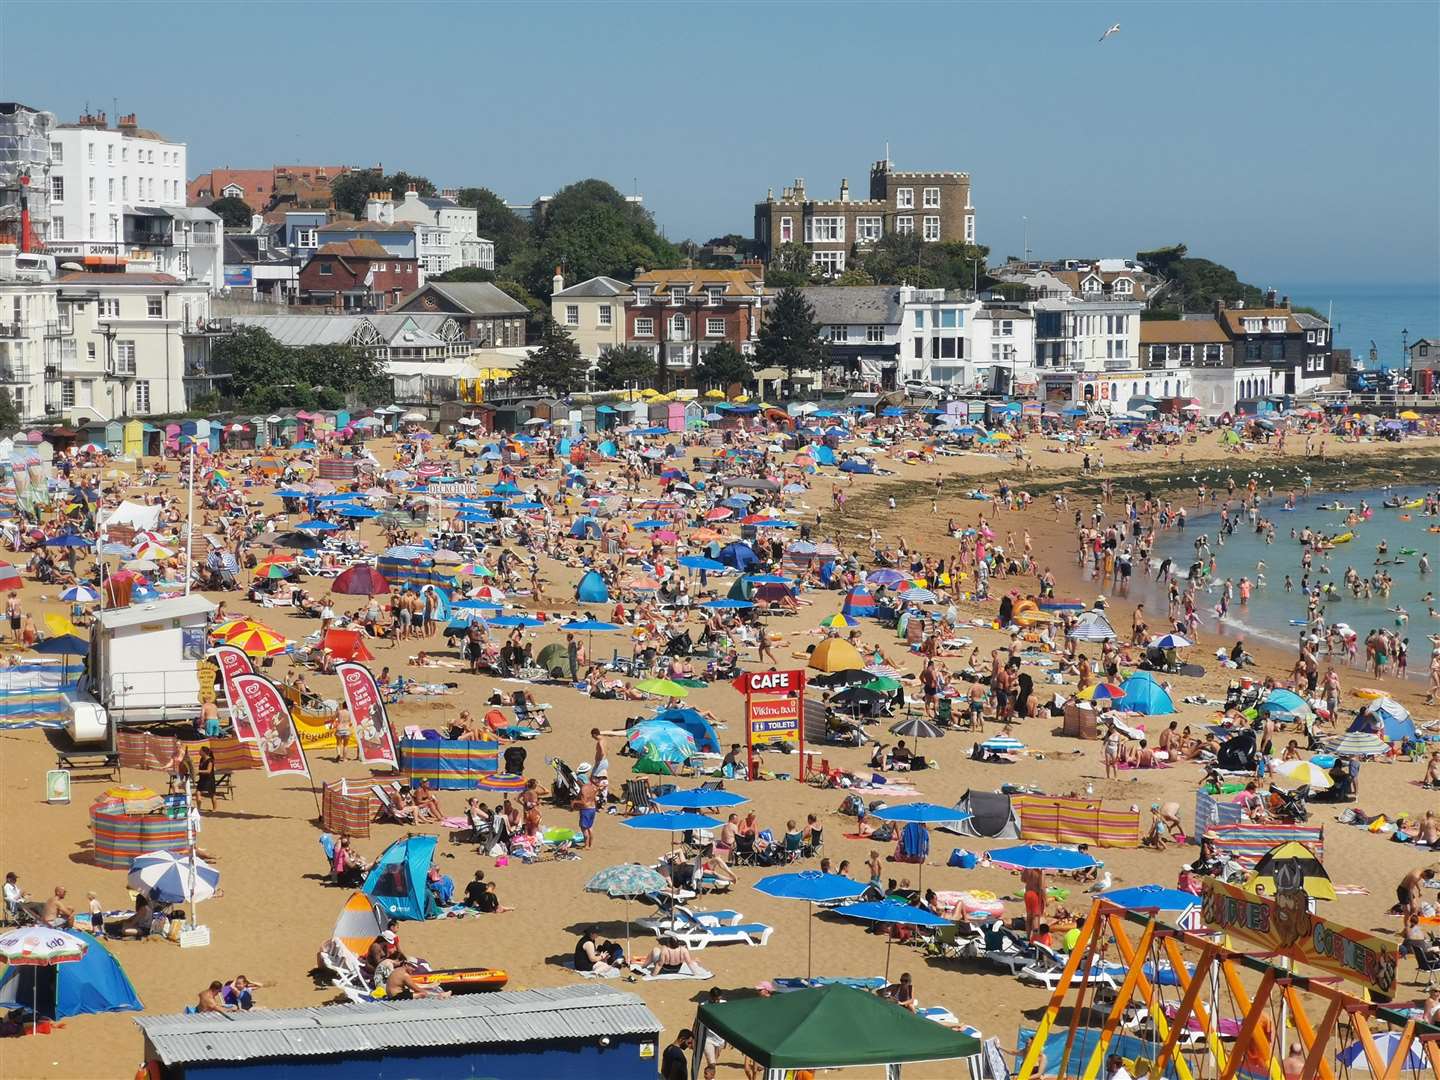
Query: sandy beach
x=276, y=911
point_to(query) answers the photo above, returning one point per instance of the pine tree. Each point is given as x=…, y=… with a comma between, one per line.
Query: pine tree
x=556, y=364
x=623, y=366
x=722, y=366
x=789, y=336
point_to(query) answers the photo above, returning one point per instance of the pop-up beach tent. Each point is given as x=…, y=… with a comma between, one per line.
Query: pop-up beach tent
x=1144, y=695
x=592, y=589
x=990, y=815
x=93, y=984
x=832, y=1027
x=398, y=881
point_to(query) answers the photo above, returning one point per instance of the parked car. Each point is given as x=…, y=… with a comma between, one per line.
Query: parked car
x=919, y=388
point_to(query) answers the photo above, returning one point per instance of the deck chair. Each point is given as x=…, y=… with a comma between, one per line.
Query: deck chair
x=1426, y=963
x=1003, y=949
x=638, y=797
x=792, y=849
x=343, y=967
x=693, y=933
x=385, y=803
x=525, y=716
x=744, y=853
x=1048, y=967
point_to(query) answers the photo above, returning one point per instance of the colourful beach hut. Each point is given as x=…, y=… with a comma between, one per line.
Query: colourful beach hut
x=133, y=440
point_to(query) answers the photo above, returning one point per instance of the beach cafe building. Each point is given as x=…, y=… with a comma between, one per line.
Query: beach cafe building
x=551, y=1034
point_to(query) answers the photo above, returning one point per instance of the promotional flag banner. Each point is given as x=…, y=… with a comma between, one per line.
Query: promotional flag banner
x=280, y=749
x=372, y=726
x=232, y=662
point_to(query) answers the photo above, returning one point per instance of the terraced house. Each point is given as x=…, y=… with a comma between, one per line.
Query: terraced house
x=680, y=315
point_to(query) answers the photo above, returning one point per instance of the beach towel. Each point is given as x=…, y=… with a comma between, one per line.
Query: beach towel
x=686, y=971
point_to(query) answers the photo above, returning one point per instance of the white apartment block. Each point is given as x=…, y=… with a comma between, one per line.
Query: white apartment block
x=97, y=346
x=117, y=199
x=446, y=233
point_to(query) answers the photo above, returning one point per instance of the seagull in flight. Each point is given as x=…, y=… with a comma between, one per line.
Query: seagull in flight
x=1113, y=30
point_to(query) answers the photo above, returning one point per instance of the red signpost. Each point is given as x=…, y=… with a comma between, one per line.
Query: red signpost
x=774, y=712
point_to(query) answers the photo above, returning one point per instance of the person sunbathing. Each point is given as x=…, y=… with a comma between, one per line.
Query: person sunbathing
x=1432, y=771
x=667, y=956
x=401, y=986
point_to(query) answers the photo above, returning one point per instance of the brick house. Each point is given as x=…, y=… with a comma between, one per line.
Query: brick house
x=932, y=205
x=357, y=275
x=680, y=315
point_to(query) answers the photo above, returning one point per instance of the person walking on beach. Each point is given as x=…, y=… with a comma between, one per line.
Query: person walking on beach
x=586, y=802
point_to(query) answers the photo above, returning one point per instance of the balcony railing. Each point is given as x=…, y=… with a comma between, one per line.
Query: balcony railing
x=149, y=239
x=12, y=330
x=15, y=373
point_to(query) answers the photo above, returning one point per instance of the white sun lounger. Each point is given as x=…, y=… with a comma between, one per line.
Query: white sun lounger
x=695, y=934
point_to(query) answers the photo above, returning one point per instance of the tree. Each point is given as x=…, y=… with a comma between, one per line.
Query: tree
x=622, y=366
x=266, y=375
x=351, y=190
x=556, y=365
x=722, y=366
x=538, y=312
x=855, y=276
x=9, y=415
x=234, y=212
x=496, y=221
x=1195, y=284
x=464, y=273
x=590, y=229
x=789, y=336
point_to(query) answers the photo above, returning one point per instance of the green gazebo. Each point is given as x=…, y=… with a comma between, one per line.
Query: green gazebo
x=831, y=1027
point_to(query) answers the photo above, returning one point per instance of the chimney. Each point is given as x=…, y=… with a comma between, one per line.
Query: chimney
x=557, y=283
x=844, y=189
x=1219, y=308
x=1285, y=302
x=800, y=188
x=127, y=123
x=770, y=194
x=1269, y=298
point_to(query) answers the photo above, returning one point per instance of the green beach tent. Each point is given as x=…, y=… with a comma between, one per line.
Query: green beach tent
x=828, y=1028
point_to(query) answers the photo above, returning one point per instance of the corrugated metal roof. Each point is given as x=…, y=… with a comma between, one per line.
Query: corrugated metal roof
x=297, y=330
x=570, y=1012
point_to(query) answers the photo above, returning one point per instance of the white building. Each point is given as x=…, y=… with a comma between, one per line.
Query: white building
x=27, y=318
x=446, y=233
x=117, y=198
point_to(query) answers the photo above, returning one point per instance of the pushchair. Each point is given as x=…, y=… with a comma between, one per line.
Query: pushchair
x=566, y=788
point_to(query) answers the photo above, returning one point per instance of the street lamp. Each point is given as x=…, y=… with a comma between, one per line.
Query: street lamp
x=1405, y=347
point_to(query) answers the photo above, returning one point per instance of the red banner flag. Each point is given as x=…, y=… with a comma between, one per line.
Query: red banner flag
x=233, y=662
x=372, y=725
x=280, y=748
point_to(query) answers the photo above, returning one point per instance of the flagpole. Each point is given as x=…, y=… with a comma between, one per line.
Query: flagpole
x=190, y=519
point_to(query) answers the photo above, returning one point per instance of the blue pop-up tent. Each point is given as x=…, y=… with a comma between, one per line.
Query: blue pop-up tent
x=398, y=881
x=592, y=589
x=585, y=528
x=854, y=465
x=1386, y=718
x=700, y=729
x=822, y=454
x=1144, y=695
x=739, y=555
x=95, y=983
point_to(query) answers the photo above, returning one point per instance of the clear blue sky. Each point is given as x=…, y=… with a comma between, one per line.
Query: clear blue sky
x=1296, y=142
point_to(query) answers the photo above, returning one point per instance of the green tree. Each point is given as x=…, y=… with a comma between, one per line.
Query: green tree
x=556, y=365
x=234, y=212
x=855, y=276
x=622, y=366
x=350, y=190
x=792, y=259
x=266, y=375
x=789, y=336
x=496, y=221
x=539, y=312
x=464, y=273
x=722, y=366
x=589, y=229
x=1195, y=284
x=9, y=415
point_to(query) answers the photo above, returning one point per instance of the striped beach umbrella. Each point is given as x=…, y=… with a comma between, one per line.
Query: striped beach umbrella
x=1102, y=691
x=40, y=946
x=171, y=878
x=258, y=641
x=1003, y=744
x=1359, y=744
x=838, y=621
x=80, y=594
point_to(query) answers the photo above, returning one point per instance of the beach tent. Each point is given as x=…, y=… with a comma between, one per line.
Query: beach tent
x=592, y=589
x=739, y=555
x=991, y=815
x=95, y=983
x=1144, y=695
x=822, y=454
x=830, y=1027
x=397, y=882
x=1386, y=718
x=1237, y=753
x=700, y=729
x=585, y=528
x=835, y=654
x=855, y=465
x=858, y=602
x=361, y=921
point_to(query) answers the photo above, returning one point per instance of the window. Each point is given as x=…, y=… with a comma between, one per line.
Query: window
x=89, y=151
x=920, y=319
x=1252, y=350
x=108, y=309
x=125, y=358
x=57, y=229
x=874, y=333
x=905, y=225
x=142, y=395
x=919, y=348
x=1123, y=286
x=931, y=198
x=787, y=230
x=305, y=238
x=868, y=229
x=572, y=314
x=932, y=228
x=90, y=220
x=1005, y=327
x=679, y=324
x=327, y=269
x=1157, y=355
x=124, y=187
x=823, y=230
x=90, y=351
x=1310, y=337
x=713, y=294
x=110, y=189
x=1212, y=354
x=677, y=295
x=110, y=154
x=154, y=307
x=1253, y=326
x=67, y=393
x=945, y=348
x=1277, y=326
x=642, y=294
x=1187, y=354
x=905, y=198
x=715, y=327
x=838, y=334
x=57, y=188
x=946, y=318
x=604, y=316
x=831, y=262
x=644, y=327
x=969, y=228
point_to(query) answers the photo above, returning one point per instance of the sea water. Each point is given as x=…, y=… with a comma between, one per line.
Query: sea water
x=1378, y=312
x=1276, y=614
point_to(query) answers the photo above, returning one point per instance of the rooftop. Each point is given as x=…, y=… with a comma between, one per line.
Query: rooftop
x=736, y=282
x=83, y=277
x=471, y=297
x=1234, y=318
x=1201, y=331
x=595, y=286
x=574, y=1012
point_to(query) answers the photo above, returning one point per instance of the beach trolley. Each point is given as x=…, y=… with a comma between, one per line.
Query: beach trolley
x=586, y=1030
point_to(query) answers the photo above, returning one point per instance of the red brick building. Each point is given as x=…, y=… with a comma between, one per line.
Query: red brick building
x=680, y=315
x=357, y=275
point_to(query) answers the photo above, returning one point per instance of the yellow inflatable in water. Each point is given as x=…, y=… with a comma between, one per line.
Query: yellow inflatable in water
x=1343, y=538
x=1413, y=504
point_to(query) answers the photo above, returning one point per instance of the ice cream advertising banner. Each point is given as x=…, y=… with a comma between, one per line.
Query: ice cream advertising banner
x=279, y=742
x=233, y=662
x=372, y=726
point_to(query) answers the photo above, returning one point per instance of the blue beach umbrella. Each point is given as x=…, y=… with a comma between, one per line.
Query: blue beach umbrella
x=813, y=887
x=1150, y=898
x=1042, y=857
x=1353, y=1056
x=894, y=913
x=627, y=880
x=700, y=562
x=514, y=620
x=725, y=603
x=317, y=526
x=592, y=626
x=700, y=799
x=171, y=879
x=921, y=813
x=672, y=822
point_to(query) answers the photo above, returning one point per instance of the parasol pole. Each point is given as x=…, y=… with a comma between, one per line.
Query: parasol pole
x=190, y=839
x=190, y=518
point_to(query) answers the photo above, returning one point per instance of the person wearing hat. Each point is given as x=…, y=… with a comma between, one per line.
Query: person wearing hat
x=586, y=802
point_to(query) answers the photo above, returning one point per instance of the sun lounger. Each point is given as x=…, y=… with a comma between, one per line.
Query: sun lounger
x=690, y=931
x=680, y=914
x=1048, y=967
x=1003, y=949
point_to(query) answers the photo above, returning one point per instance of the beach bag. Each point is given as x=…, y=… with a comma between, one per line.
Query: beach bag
x=961, y=858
